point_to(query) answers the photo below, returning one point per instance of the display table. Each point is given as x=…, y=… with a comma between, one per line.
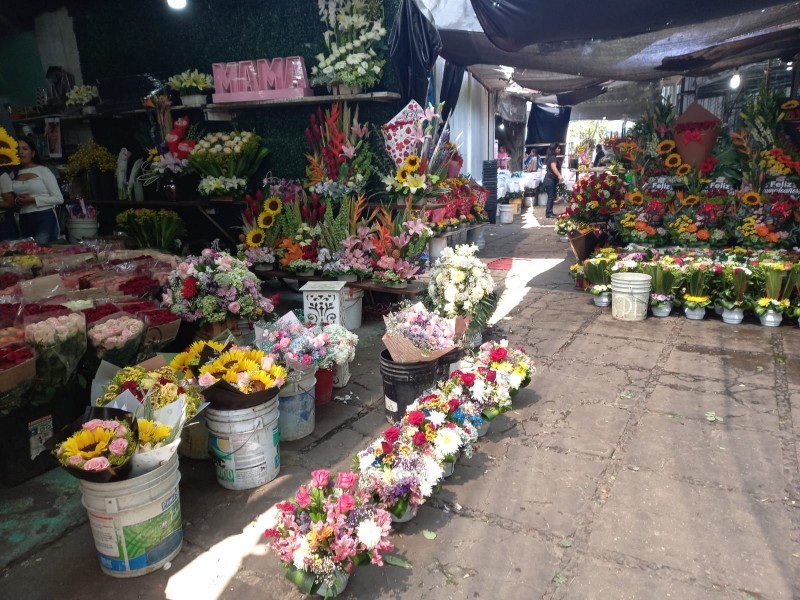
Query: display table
x=414, y=288
x=522, y=180
x=462, y=235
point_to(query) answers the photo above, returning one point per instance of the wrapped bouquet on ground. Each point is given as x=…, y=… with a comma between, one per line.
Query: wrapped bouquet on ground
x=413, y=334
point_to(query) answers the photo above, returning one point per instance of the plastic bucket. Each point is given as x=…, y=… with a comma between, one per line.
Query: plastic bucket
x=506, y=214
x=405, y=382
x=194, y=441
x=79, y=229
x=297, y=408
x=244, y=445
x=446, y=362
x=630, y=296
x=323, y=390
x=352, y=308
x=136, y=523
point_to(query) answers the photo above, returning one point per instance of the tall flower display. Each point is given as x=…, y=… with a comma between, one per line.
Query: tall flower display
x=227, y=161
x=461, y=285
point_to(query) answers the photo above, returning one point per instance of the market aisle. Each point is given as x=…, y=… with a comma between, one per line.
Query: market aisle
x=606, y=481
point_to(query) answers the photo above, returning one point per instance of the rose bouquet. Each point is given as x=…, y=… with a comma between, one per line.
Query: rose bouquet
x=596, y=198
x=461, y=285
x=413, y=334
x=326, y=530
x=227, y=161
x=214, y=286
x=117, y=339
x=171, y=155
x=511, y=363
x=59, y=342
x=99, y=446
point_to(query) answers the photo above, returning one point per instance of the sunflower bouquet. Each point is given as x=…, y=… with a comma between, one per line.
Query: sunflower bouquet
x=642, y=221
x=763, y=220
x=259, y=228
x=8, y=149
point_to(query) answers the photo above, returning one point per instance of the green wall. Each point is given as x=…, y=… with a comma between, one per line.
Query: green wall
x=120, y=37
x=20, y=69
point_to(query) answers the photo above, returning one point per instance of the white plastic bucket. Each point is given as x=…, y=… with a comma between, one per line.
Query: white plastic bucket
x=506, y=214
x=244, y=445
x=144, y=462
x=630, y=296
x=80, y=229
x=541, y=199
x=352, y=308
x=297, y=407
x=194, y=441
x=136, y=523
x=435, y=246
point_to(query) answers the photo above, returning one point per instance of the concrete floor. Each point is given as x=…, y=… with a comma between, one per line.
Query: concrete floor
x=605, y=482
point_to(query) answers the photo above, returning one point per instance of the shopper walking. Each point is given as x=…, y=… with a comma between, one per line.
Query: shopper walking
x=36, y=195
x=552, y=177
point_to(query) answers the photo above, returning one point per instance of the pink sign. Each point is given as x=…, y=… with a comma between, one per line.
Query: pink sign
x=262, y=79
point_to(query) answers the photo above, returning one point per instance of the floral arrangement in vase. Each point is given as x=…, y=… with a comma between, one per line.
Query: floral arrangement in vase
x=83, y=95
x=340, y=161
x=695, y=292
x=226, y=162
x=461, y=285
x=191, y=83
x=170, y=156
x=214, y=286
x=735, y=281
x=597, y=271
x=399, y=244
x=89, y=155
x=414, y=334
x=327, y=529
x=777, y=282
x=298, y=346
x=156, y=229
x=699, y=219
x=353, y=52
x=354, y=257
x=642, y=220
x=595, y=198
x=665, y=277
x=341, y=346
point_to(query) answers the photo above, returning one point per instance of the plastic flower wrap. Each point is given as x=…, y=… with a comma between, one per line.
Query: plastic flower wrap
x=211, y=287
x=414, y=334
x=341, y=347
x=461, y=284
x=298, y=346
x=59, y=342
x=328, y=527
x=117, y=339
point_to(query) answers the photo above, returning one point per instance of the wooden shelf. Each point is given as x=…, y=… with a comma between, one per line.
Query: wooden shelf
x=170, y=204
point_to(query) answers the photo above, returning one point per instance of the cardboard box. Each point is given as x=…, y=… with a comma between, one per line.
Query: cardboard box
x=11, y=378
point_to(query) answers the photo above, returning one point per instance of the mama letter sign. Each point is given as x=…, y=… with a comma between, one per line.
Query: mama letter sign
x=261, y=79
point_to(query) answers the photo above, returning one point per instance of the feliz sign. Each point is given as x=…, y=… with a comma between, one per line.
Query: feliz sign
x=781, y=185
x=262, y=79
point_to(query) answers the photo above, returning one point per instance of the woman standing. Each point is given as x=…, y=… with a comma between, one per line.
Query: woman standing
x=8, y=225
x=552, y=176
x=37, y=194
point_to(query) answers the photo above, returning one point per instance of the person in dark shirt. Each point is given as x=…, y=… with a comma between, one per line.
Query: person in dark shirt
x=552, y=177
x=599, y=154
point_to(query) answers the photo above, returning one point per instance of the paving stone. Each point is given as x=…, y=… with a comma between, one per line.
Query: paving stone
x=728, y=537
x=330, y=416
x=599, y=350
x=589, y=428
x=598, y=580
x=733, y=367
x=715, y=333
x=336, y=452
x=372, y=424
x=791, y=341
x=793, y=372
x=539, y=489
x=555, y=319
x=651, y=329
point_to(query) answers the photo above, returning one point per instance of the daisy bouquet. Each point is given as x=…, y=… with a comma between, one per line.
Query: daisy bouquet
x=413, y=334
x=214, y=286
x=695, y=292
x=777, y=282
x=99, y=446
x=341, y=347
x=60, y=343
x=461, y=285
x=328, y=528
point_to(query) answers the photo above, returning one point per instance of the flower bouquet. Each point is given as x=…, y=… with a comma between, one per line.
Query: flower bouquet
x=354, y=257
x=117, y=338
x=83, y=95
x=98, y=447
x=596, y=198
x=352, y=42
x=227, y=161
x=327, y=530
x=9, y=155
x=763, y=220
x=297, y=346
x=695, y=292
x=462, y=286
x=777, y=282
x=259, y=230
x=214, y=286
x=341, y=346
x=513, y=368
x=415, y=335
x=733, y=292
x=60, y=343
x=399, y=244
x=170, y=156
x=642, y=221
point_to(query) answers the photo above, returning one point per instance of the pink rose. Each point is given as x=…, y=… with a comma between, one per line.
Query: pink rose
x=207, y=253
x=112, y=425
x=303, y=497
x=234, y=307
x=120, y=431
x=346, y=480
x=93, y=424
x=99, y=463
x=320, y=477
x=75, y=460
x=345, y=503
x=118, y=447
x=206, y=379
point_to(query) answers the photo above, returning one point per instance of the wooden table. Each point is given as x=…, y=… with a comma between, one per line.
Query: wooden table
x=414, y=288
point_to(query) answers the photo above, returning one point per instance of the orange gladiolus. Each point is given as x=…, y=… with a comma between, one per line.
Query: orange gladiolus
x=703, y=235
x=691, y=228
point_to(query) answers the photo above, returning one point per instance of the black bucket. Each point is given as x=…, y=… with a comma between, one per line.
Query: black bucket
x=446, y=360
x=405, y=382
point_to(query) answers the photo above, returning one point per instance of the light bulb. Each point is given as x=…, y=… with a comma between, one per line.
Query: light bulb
x=736, y=80
x=176, y=4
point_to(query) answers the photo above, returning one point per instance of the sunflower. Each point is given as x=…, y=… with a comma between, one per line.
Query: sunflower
x=88, y=443
x=153, y=432
x=255, y=238
x=673, y=160
x=264, y=380
x=683, y=170
x=751, y=198
x=690, y=200
x=412, y=162
x=636, y=198
x=266, y=220
x=665, y=147
x=8, y=157
x=790, y=105
x=273, y=205
x=402, y=174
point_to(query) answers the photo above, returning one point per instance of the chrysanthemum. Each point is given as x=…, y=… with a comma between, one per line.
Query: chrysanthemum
x=152, y=432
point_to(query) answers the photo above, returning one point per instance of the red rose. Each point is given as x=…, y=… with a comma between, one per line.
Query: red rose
x=391, y=435
x=468, y=379
x=491, y=376
x=499, y=354
x=189, y=288
x=386, y=447
x=419, y=438
x=416, y=417
x=454, y=404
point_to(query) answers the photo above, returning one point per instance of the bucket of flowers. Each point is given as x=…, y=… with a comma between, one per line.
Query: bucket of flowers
x=696, y=296
x=193, y=86
x=413, y=334
x=776, y=280
x=326, y=530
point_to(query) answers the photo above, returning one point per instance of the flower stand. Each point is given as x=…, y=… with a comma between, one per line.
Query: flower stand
x=661, y=310
x=733, y=316
x=342, y=375
x=322, y=302
x=771, y=318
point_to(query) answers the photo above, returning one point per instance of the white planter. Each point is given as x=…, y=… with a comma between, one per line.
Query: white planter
x=89, y=110
x=732, y=316
x=719, y=309
x=435, y=246
x=603, y=299
x=695, y=314
x=771, y=318
x=663, y=310
x=541, y=199
x=506, y=214
x=193, y=99
x=350, y=277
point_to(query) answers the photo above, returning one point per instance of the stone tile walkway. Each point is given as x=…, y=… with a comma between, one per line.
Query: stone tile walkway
x=605, y=482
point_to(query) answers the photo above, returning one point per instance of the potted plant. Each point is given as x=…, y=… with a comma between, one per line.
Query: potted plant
x=665, y=275
x=85, y=96
x=777, y=281
x=598, y=273
x=695, y=294
x=90, y=169
x=192, y=86
x=733, y=298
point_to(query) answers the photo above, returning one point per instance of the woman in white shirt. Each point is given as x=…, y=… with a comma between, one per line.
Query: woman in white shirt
x=8, y=226
x=37, y=195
